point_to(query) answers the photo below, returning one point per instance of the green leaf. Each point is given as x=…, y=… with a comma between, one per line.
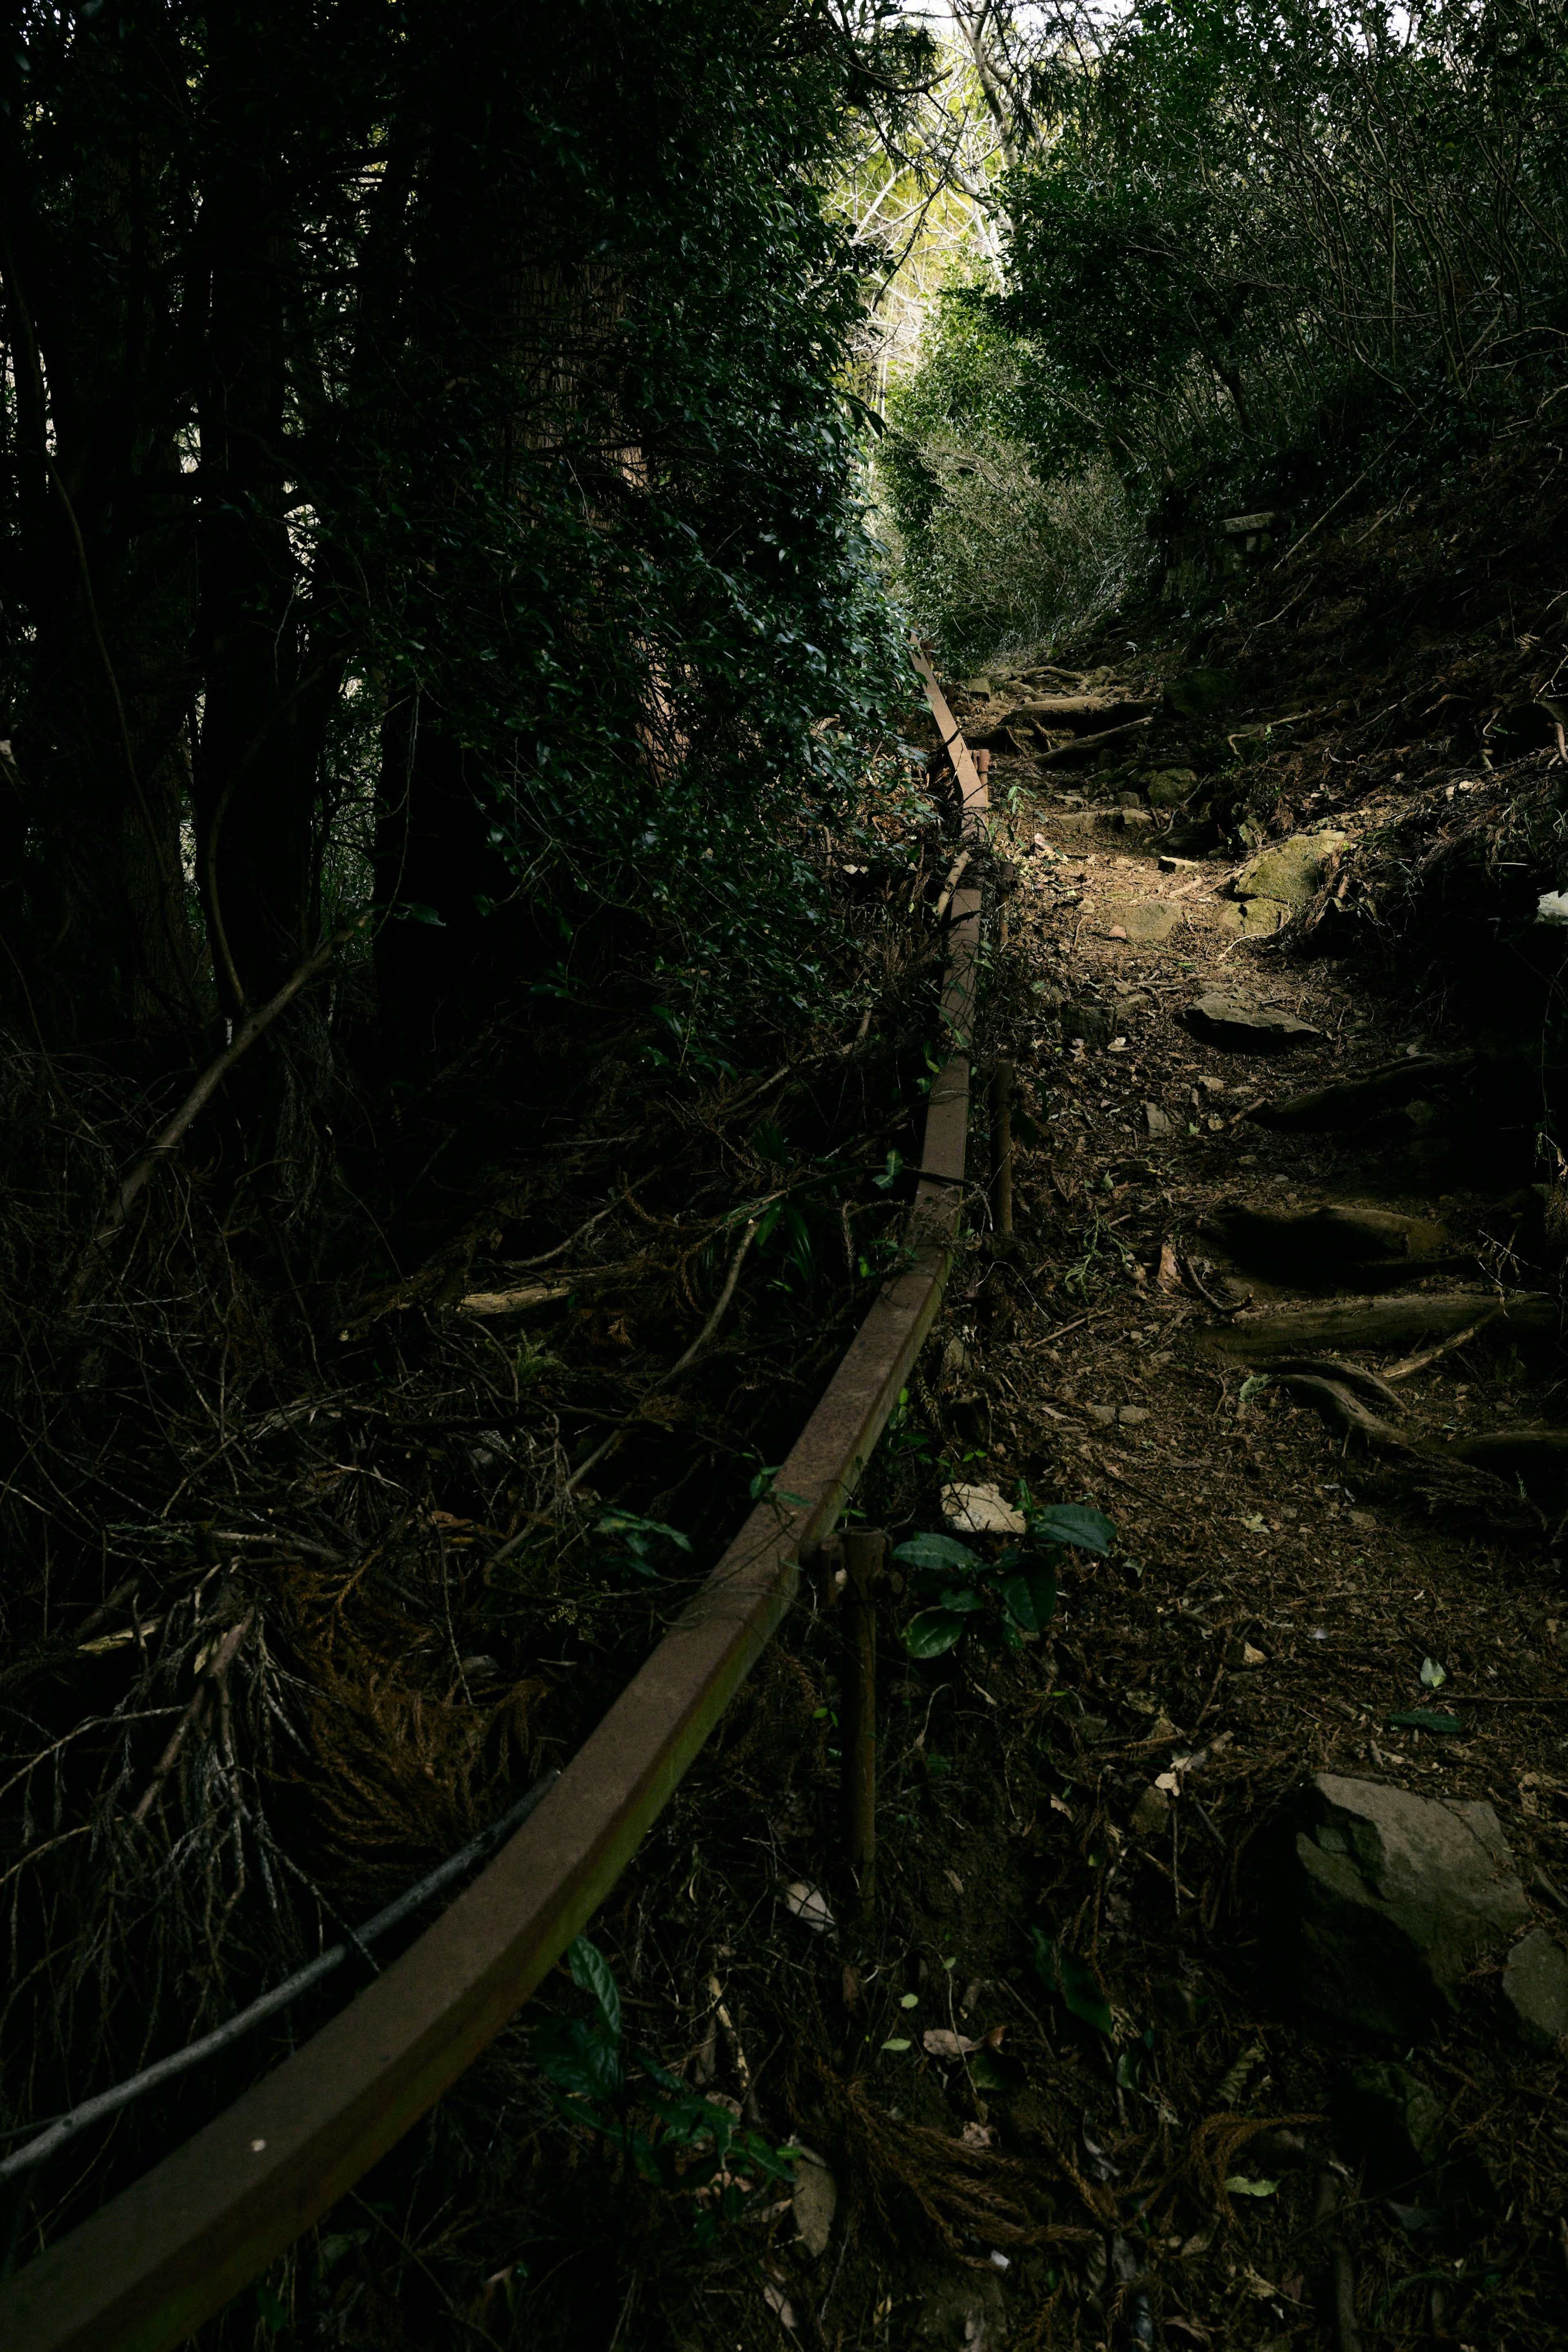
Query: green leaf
x=989, y=2071
x=1416, y=2278
x=272, y=2314
x=1071, y=1523
x=909, y=2000
x=1031, y=1598
x=580, y=2060
x=890, y=1173
x=1422, y=1718
x=1239, y=2185
x=762, y=1485
x=1433, y=1675
x=626, y=1523
x=932, y=1632
x=798, y=1250
x=937, y=1552
x=411, y=912
x=962, y=1600
x=765, y=1222
x=591, y=1972
x=1254, y=1385
x=896, y=2043
x=1075, y=1981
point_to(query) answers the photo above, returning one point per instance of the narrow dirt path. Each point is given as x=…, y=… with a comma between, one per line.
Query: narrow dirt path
x=1291, y=1588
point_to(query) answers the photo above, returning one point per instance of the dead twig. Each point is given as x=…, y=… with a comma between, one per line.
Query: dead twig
x=169, y=1137
x=1191, y=1272
x=1402, y=1370
x=213, y=1673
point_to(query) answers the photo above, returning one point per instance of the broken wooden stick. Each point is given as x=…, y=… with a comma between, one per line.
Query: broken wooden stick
x=169, y=1137
x=522, y=1301
x=674, y=1372
x=1083, y=745
x=951, y=884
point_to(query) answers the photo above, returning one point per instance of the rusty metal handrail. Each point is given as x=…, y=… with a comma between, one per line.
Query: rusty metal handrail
x=171, y=2249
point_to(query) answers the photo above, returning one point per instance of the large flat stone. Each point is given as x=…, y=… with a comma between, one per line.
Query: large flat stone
x=1385, y=1900
x=1148, y=922
x=1226, y=1021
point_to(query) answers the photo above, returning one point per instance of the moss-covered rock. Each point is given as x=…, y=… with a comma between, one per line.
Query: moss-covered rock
x=1255, y=918
x=1289, y=871
x=1169, y=787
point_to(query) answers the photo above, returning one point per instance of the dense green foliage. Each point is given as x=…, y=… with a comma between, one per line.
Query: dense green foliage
x=996, y=547
x=1264, y=248
x=426, y=482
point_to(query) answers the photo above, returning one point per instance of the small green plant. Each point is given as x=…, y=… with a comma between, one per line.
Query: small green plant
x=1072, y=1982
x=905, y=1435
x=531, y=1363
x=674, y=2138
x=1018, y=1588
x=635, y=1544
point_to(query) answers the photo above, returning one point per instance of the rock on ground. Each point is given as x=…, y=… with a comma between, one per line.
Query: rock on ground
x=1291, y=871
x=1255, y=918
x=1147, y=921
x=1388, y=1899
x=1535, y=1988
x=1223, y=1021
x=981, y=1510
x=969, y=2312
x=815, y=2202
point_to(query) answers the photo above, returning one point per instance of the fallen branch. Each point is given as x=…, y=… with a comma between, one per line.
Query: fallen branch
x=630, y=1420
x=1082, y=744
x=168, y=1141
x=516, y=1302
x=213, y=1673
x=951, y=884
